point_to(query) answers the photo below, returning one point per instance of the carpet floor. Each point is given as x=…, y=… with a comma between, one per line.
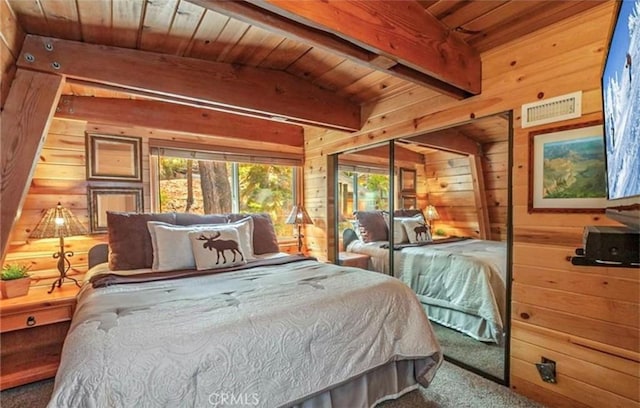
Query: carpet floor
x=453, y=387
x=487, y=357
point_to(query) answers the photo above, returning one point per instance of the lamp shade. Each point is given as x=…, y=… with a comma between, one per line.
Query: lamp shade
x=298, y=216
x=58, y=222
x=430, y=213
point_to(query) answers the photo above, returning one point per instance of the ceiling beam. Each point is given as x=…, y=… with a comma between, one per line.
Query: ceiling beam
x=400, y=153
x=400, y=30
x=450, y=140
x=178, y=118
x=265, y=93
x=26, y=118
x=371, y=57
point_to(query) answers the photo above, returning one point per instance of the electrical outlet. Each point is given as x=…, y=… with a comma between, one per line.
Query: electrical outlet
x=547, y=370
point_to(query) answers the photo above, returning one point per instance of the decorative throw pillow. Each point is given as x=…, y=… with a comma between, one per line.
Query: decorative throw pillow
x=417, y=230
x=216, y=248
x=151, y=226
x=129, y=240
x=173, y=248
x=399, y=232
x=372, y=225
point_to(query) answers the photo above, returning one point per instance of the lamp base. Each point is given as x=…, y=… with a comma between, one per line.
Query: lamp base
x=63, y=267
x=300, y=236
x=58, y=282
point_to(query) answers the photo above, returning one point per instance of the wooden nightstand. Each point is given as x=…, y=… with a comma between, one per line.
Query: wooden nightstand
x=354, y=259
x=33, y=329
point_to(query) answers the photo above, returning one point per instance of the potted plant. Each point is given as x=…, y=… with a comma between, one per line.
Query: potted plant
x=14, y=281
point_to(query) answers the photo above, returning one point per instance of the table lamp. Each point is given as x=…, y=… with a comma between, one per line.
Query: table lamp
x=299, y=217
x=430, y=214
x=59, y=222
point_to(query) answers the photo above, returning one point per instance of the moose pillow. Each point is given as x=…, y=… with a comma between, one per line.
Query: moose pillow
x=172, y=247
x=417, y=230
x=216, y=248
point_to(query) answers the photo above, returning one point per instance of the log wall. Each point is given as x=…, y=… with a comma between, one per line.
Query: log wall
x=584, y=318
x=449, y=187
x=60, y=175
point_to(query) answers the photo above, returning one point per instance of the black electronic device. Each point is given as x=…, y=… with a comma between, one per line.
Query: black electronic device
x=619, y=245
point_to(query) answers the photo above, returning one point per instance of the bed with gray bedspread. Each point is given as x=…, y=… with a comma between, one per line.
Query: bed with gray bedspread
x=461, y=284
x=304, y=334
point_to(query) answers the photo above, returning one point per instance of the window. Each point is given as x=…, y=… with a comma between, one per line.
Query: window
x=363, y=190
x=205, y=186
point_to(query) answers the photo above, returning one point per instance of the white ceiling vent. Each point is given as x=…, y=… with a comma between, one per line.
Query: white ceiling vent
x=550, y=110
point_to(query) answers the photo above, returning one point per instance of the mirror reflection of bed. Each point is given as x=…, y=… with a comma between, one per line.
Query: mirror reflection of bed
x=459, y=266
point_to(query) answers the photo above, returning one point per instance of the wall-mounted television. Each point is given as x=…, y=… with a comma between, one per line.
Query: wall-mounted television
x=621, y=104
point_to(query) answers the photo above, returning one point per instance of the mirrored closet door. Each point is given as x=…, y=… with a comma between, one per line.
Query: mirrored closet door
x=446, y=206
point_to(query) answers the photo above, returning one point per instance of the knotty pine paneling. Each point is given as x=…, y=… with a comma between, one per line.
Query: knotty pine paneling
x=11, y=38
x=561, y=58
x=60, y=176
x=450, y=188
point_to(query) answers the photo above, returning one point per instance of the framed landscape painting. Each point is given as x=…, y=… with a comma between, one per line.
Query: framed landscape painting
x=567, y=169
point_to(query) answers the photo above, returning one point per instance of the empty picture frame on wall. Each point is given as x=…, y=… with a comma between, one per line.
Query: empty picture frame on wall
x=112, y=157
x=407, y=180
x=567, y=169
x=103, y=199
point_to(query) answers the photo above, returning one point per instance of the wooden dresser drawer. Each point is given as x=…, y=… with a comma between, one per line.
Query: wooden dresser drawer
x=34, y=318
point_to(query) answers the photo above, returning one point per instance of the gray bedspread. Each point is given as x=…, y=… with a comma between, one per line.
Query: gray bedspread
x=467, y=277
x=273, y=335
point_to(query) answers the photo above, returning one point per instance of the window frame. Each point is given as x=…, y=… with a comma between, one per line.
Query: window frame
x=154, y=173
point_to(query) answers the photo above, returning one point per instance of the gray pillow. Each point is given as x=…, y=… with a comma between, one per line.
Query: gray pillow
x=372, y=225
x=129, y=239
x=265, y=240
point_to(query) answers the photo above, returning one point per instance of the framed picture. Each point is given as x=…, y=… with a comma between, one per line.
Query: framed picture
x=567, y=169
x=114, y=157
x=409, y=202
x=103, y=199
x=407, y=180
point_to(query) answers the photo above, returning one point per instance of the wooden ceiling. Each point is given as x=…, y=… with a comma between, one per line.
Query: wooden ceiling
x=186, y=28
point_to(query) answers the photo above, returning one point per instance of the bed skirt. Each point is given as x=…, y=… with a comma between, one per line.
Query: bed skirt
x=387, y=382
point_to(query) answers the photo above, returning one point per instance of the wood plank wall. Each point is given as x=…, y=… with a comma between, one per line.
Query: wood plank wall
x=60, y=175
x=450, y=190
x=584, y=318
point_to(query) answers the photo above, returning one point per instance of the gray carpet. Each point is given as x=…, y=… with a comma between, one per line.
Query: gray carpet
x=487, y=357
x=452, y=387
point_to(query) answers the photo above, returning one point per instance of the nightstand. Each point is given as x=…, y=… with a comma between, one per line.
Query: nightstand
x=354, y=259
x=33, y=329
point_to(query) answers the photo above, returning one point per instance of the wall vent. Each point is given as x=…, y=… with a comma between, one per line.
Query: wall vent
x=550, y=110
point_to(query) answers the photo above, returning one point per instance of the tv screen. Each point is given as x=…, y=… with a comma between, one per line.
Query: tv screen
x=621, y=100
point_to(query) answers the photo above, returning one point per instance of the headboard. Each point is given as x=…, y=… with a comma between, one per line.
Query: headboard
x=98, y=254
x=348, y=236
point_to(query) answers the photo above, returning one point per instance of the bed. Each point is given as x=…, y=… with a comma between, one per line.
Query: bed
x=269, y=330
x=459, y=281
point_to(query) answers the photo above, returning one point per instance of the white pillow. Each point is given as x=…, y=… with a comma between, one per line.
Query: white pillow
x=172, y=247
x=399, y=232
x=151, y=226
x=216, y=248
x=417, y=230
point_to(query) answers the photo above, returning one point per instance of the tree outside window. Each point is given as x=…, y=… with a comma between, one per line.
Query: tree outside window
x=215, y=187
